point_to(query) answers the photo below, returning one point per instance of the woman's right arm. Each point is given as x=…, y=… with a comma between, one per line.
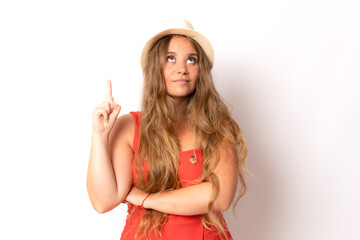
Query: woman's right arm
x=109, y=169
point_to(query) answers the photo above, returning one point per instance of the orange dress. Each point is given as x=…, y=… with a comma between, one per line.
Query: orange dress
x=177, y=227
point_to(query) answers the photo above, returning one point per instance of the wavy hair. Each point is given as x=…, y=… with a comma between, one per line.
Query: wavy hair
x=210, y=119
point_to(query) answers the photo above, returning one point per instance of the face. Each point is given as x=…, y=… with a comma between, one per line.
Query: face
x=181, y=68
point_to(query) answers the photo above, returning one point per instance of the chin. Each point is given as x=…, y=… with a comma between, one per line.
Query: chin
x=180, y=92
x=180, y=95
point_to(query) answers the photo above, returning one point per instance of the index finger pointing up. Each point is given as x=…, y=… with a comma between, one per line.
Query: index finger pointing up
x=109, y=90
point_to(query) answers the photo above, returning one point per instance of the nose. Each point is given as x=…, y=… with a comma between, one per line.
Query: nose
x=181, y=67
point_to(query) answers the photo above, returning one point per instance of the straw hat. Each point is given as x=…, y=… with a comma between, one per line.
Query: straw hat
x=183, y=27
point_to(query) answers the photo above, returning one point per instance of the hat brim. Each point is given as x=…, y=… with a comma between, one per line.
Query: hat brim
x=198, y=37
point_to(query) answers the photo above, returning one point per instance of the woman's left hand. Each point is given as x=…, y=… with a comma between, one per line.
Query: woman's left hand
x=136, y=196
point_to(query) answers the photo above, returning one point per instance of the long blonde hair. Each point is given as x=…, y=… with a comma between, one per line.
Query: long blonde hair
x=211, y=121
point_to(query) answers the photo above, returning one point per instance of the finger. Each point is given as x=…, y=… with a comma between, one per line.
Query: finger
x=108, y=107
x=115, y=113
x=103, y=112
x=111, y=103
x=109, y=90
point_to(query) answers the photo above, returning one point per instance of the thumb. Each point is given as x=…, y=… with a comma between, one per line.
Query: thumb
x=115, y=113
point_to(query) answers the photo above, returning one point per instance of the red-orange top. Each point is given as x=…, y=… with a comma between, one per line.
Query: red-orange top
x=177, y=227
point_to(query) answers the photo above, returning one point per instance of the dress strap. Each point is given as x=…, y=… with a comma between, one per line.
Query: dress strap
x=137, y=117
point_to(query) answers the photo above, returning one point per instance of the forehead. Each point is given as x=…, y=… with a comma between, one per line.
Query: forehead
x=181, y=44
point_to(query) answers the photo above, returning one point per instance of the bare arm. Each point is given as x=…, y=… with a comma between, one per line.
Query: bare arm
x=194, y=200
x=109, y=169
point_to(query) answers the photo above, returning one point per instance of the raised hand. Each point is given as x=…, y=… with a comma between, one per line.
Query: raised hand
x=104, y=116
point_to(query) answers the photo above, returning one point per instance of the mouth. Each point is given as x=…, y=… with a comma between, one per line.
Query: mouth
x=181, y=81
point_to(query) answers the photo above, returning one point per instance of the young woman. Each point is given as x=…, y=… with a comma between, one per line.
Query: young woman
x=178, y=161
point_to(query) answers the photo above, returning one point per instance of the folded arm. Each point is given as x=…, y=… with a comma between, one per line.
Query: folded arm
x=194, y=199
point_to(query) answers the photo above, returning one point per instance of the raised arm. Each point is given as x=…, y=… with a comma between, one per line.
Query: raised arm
x=109, y=169
x=194, y=200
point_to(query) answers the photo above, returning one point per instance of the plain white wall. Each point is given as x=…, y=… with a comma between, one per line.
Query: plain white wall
x=290, y=69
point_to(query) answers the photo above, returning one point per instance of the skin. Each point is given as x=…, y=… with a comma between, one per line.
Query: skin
x=181, y=69
x=109, y=171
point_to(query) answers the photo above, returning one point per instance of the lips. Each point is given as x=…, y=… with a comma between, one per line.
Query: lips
x=183, y=81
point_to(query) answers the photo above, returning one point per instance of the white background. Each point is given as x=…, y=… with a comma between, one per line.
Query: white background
x=290, y=69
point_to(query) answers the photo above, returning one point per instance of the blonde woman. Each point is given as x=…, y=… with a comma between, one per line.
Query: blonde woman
x=176, y=163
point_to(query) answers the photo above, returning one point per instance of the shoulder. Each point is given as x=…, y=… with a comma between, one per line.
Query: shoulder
x=123, y=130
x=125, y=120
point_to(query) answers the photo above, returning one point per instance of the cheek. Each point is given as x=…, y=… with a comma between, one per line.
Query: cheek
x=166, y=73
x=196, y=73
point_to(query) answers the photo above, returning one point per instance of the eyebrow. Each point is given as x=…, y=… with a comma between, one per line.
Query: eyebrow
x=190, y=54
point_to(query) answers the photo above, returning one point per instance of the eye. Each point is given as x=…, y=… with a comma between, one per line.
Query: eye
x=170, y=59
x=192, y=60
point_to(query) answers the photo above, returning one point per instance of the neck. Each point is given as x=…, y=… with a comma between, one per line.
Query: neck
x=181, y=103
